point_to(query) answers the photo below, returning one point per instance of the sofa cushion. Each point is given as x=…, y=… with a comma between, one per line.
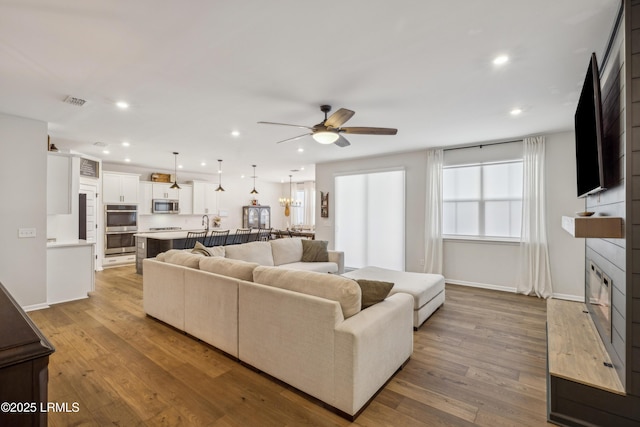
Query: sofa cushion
x=286, y=251
x=184, y=258
x=228, y=267
x=335, y=288
x=320, y=267
x=314, y=251
x=201, y=249
x=258, y=252
x=373, y=291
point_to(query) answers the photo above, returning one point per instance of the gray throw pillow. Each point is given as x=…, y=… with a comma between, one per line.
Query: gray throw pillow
x=201, y=249
x=314, y=251
x=373, y=291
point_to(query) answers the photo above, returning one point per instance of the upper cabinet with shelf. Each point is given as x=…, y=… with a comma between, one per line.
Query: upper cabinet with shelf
x=120, y=187
x=594, y=227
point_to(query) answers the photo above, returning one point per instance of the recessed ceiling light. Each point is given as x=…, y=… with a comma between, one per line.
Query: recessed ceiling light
x=125, y=144
x=105, y=151
x=300, y=150
x=241, y=176
x=203, y=164
x=127, y=160
x=500, y=60
x=515, y=112
x=301, y=168
x=123, y=105
x=235, y=133
x=179, y=166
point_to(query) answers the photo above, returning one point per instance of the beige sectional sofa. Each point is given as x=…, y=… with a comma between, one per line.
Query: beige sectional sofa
x=303, y=327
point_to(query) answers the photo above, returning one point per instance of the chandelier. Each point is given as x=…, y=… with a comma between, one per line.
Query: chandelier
x=289, y=202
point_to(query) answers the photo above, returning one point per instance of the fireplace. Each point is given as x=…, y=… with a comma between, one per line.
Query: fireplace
x=598, y=300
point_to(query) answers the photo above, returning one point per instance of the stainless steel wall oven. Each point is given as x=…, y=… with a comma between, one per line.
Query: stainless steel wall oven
x=121, y=223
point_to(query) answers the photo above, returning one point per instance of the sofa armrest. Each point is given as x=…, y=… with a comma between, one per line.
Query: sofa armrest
x=370, y=347
x=338, y=258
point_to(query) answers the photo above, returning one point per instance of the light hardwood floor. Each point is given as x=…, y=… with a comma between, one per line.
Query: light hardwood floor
x=479, y=360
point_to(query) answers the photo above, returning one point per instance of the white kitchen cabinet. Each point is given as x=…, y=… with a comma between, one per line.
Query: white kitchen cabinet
x=58, y=184
x=146, y=197
x=120, y=187
x=185, y=199
x=163, y=190
x=204, y=197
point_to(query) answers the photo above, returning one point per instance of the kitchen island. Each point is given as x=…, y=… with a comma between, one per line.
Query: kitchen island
x=151, y=243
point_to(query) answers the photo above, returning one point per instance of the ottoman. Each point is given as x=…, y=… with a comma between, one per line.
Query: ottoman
x=427, y=289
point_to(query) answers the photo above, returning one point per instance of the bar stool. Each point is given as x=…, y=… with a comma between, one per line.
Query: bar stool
x=241, y=236
x=217, y=238
x=193, y=237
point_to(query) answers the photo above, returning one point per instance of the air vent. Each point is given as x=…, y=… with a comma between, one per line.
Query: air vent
x=100, y=144
x=78, y=102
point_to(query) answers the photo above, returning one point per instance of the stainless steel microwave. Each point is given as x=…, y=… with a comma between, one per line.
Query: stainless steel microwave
x=165, y=206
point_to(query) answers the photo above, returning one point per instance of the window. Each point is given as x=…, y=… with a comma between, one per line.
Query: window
x=297, y=215
x=369, y=217
x=482, y=200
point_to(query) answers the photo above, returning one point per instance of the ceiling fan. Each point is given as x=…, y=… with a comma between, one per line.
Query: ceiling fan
x=329, y=130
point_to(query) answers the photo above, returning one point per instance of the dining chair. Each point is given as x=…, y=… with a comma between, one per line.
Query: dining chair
x=264, y=234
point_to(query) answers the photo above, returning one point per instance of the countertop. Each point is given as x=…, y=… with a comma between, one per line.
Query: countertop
x=69, y=243
x=172, y=234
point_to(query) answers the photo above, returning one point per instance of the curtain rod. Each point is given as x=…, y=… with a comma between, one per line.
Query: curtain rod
x=482, y=145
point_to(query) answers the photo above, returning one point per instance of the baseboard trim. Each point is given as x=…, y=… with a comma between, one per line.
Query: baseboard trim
x=481, y=285
x=35, y=307
x=568, y=297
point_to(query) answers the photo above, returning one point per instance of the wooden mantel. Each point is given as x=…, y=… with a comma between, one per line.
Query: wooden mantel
x=594, y=226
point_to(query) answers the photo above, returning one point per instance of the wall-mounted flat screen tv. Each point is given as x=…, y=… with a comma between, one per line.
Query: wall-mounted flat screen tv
x=589, y=134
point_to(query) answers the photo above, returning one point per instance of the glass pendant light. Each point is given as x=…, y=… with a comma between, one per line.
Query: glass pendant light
x=175, y=179
x=254, y=191
x=219, y=176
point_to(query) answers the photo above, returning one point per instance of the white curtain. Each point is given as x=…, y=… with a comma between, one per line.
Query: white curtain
x=433, y=213
x=309, y=203
x=534, y=272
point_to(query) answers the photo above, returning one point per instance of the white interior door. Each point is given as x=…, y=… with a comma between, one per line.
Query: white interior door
x=91, y=218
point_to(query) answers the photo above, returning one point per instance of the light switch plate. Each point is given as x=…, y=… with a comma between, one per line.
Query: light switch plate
x=25, y=233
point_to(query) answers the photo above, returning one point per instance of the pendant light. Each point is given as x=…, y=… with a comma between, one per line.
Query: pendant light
x=175, y=179
x=254, y=191
x=219, y=176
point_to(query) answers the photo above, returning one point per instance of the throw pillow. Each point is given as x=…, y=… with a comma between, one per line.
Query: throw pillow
x=373, y=291
x=314, y=251
x=201, y=249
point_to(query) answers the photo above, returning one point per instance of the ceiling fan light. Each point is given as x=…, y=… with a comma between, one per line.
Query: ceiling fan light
x=326, y=137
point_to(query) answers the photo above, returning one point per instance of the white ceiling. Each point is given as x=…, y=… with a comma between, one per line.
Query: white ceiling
x=195, y=70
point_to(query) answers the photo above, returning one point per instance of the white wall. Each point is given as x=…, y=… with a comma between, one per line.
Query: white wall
x=566, y=253
x=486, y=264
x=235, y=196
x=23, y=173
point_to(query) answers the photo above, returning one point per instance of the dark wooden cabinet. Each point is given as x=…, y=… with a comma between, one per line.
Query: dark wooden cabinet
x=24, y=360
x=256, y=217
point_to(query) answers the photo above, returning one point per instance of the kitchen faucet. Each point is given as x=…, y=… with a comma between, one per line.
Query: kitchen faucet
x=205, y=222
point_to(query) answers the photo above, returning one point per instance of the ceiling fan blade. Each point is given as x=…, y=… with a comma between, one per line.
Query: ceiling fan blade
x=338, y=118
x=342, y=142
x=294, y=138
x=285, y=124
x=369, y=131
